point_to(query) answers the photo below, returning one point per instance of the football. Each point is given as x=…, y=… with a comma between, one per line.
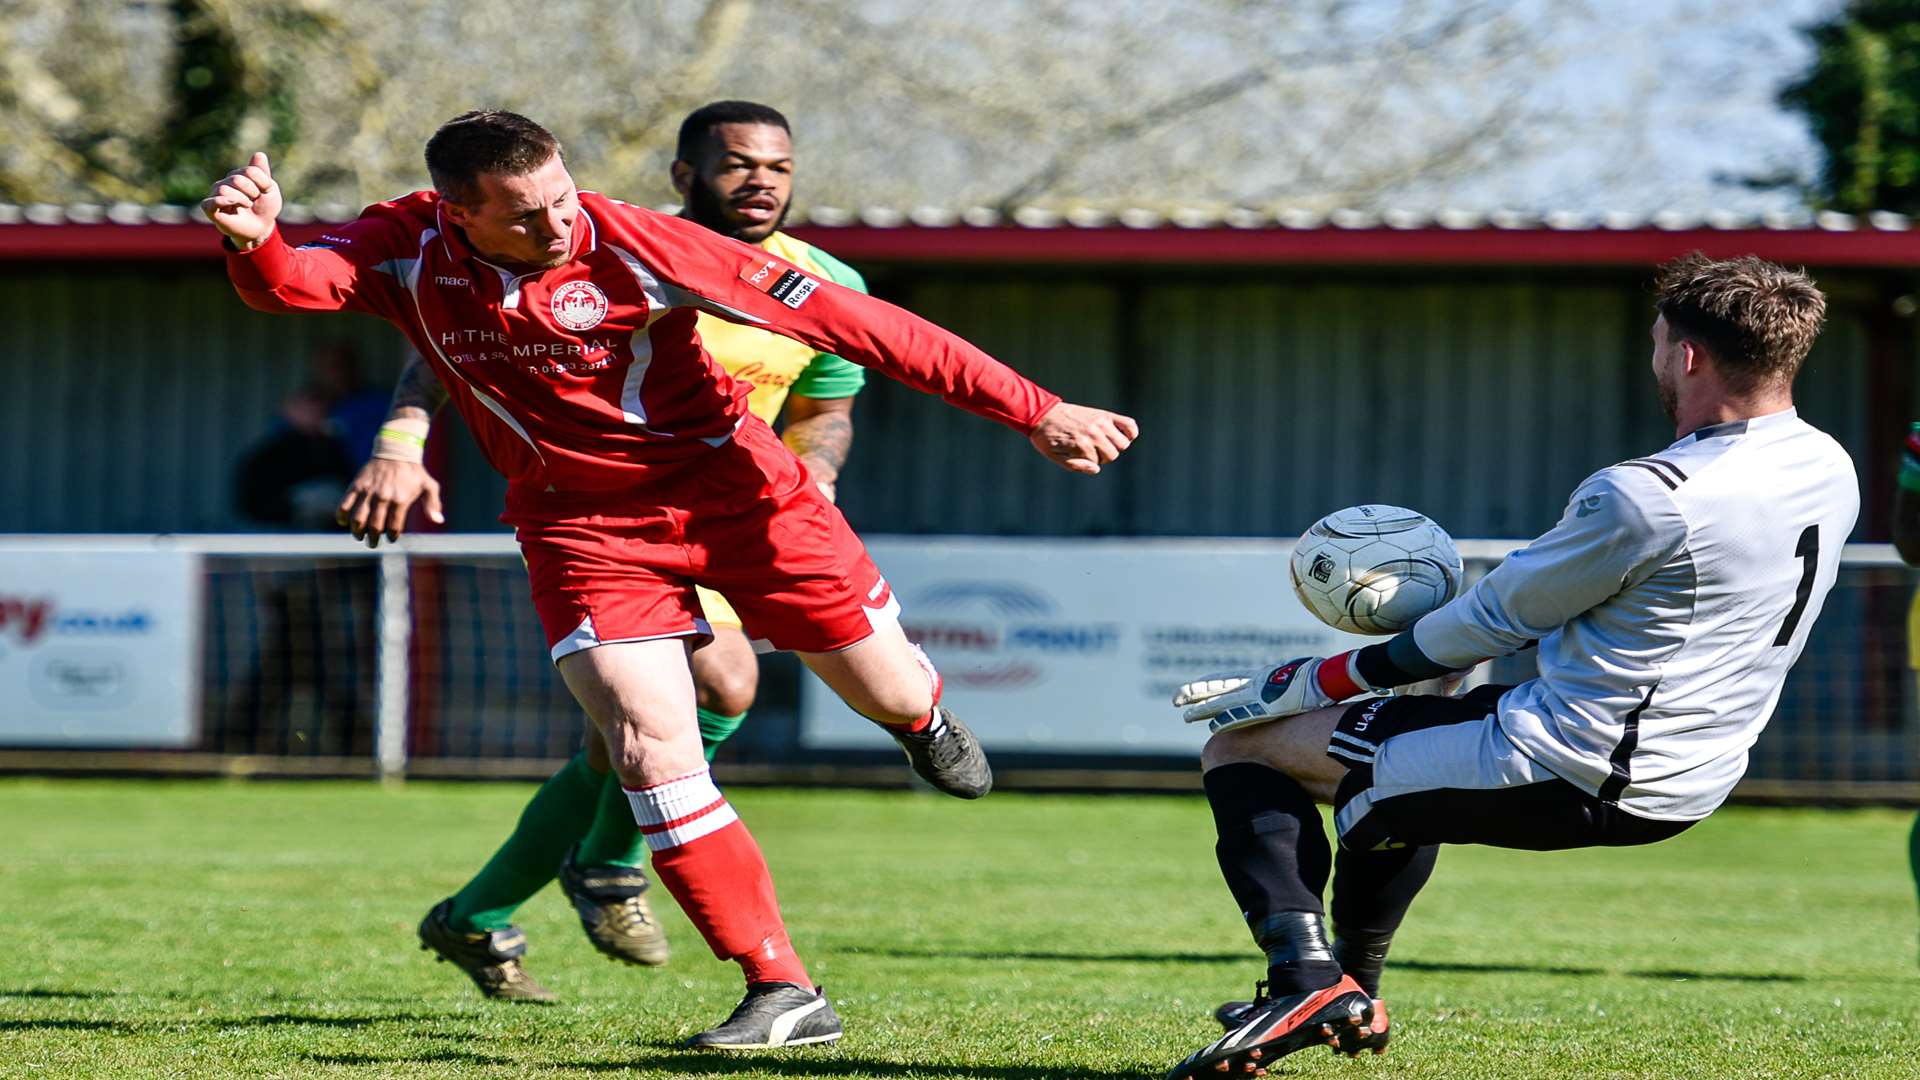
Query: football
x=1375, y=569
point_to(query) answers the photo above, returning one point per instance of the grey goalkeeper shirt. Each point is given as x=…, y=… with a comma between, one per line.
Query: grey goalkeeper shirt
x=1668, y=604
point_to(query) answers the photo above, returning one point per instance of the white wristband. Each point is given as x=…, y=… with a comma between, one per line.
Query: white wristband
x=403, y=438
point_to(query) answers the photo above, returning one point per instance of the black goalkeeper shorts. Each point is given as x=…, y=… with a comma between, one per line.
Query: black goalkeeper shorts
x=1438, y=770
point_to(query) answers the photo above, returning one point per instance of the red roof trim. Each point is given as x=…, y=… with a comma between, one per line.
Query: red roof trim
x=1158, y=246
x=103, y=243
x=1361, y=247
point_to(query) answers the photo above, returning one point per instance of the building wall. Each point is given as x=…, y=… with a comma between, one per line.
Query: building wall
x=1267, y=398
x=1266, y=403
x=131, y=394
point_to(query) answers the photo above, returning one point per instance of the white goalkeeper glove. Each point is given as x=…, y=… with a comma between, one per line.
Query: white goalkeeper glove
x=1242, y=698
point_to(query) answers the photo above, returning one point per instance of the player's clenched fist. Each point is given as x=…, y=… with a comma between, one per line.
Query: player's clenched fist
x=1081, y=439
x=381, y=494
x=245, y=203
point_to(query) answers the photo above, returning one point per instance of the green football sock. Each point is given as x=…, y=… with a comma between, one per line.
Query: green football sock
x=614, y=839
x=1913, y=852
x=553, y=821
x=716, y=729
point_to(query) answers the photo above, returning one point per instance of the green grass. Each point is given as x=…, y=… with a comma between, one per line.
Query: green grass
x=210, y=929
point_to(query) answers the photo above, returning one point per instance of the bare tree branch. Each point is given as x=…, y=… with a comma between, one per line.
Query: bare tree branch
x=1003, y=103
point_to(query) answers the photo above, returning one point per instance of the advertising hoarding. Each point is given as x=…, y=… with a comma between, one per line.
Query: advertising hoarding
x=1076, y=645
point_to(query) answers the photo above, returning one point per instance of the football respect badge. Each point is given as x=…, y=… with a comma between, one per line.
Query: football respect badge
x=782, y=282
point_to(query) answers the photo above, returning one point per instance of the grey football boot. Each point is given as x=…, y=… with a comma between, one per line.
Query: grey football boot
x=947, y=756
x=491, y=959
x=612, y=904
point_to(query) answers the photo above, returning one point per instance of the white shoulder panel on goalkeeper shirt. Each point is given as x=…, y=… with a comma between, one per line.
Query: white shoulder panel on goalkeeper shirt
x=1669, y=603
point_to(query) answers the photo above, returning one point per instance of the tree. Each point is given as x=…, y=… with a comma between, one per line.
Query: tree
x=1861, y=98
x=144, y=102
x=79, y=94
x=1007, y=104
x=222, y=100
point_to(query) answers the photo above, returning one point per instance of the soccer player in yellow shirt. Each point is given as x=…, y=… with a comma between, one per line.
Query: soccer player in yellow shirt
x=733, y=168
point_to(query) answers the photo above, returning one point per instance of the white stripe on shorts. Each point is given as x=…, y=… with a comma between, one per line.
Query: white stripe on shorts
x=1474, y=755
x=1358, y=747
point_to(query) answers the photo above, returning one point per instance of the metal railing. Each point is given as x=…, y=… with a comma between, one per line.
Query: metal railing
x=318, y=656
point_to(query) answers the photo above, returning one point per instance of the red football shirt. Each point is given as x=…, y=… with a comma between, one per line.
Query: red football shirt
x=590, y=376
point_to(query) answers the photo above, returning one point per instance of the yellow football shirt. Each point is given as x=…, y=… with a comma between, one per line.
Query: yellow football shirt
x=777, y=366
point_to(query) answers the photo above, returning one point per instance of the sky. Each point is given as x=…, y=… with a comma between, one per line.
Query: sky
x=1680, y=94
x=1630, y=106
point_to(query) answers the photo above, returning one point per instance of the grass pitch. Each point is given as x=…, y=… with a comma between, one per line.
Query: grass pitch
x=235, y=929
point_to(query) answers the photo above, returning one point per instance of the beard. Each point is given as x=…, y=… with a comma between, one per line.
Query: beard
x=708, y=209
x=1669, y=398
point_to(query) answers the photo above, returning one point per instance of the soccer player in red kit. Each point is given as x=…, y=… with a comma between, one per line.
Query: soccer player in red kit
x=562, y=323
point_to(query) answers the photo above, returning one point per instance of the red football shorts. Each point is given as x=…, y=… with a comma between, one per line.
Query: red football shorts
x=745, y=520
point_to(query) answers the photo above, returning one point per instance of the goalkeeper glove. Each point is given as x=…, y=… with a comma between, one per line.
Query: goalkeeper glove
x=1239, y=699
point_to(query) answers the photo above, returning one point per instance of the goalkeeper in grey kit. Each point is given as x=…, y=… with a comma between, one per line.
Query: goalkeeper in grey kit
x=1668, y=605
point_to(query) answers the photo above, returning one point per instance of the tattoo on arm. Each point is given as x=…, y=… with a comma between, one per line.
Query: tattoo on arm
x=822, y=440
x=417, y=388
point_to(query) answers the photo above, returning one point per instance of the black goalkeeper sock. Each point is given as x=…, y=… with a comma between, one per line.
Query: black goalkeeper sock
x=1371, y=894
x=1275, y=857
x=1361, y=955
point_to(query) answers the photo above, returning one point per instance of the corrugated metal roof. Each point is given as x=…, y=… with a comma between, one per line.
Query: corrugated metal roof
x=1482, y=400
x=1139, y=237
x=932, y=217
x=1244, y=218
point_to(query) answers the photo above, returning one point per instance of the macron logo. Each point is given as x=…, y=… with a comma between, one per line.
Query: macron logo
x=441, y=279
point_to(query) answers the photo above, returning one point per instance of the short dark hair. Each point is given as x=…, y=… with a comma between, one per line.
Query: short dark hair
x=1756, y=319
x=485, y=141
x=696, y=131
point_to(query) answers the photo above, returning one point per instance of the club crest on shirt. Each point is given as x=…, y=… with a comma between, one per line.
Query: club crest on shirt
x=579, y=305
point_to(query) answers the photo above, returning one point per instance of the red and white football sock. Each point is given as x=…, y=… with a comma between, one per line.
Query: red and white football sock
x=705, y=857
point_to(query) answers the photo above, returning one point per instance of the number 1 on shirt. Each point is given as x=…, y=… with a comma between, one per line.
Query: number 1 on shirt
x=1807, y=550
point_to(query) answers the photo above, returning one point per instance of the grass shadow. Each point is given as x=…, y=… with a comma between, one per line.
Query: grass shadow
x=425, y=1057
x=1475, y=968
x=40, y=992
x=1721, y=976
x=1055, y=957
x=1252, y=960
x=61, y=1023
x=1468, y=967
x=304, y=1020
x=820, y=1062
x=136, y=1026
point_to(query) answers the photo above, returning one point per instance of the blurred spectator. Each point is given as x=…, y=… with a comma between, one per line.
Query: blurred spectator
x=302, y=684
x=297, y=473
